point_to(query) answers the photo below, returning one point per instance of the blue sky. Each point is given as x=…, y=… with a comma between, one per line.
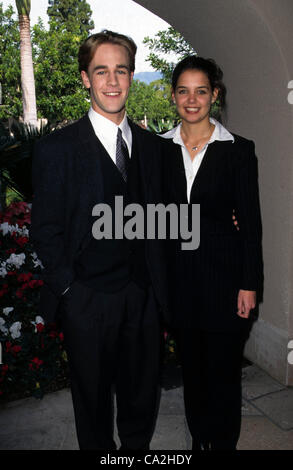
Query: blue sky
x=124, y=16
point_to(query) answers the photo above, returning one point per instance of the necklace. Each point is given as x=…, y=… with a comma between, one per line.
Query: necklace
x=205, y=139
x=197, y=147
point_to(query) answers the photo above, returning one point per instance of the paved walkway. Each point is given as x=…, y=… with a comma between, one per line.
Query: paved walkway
x=48, y=424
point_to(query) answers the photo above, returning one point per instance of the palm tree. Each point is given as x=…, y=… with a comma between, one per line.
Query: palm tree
x=27, y=70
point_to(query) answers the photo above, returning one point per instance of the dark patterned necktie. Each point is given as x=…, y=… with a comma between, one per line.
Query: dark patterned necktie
x=122, y=155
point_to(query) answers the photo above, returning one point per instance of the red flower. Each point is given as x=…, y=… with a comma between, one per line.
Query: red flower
x=53, y=334
x=61, y=336
x=33, y=283
x=17, y=212
x=4, y=290
x=24, y=277
x=16, y=349
x=40, y=327
x=19, y=293
x=35, y=363
x=11, y=250
x=4, y=369
x=17, y=208
x=8, y=346
x=21, y=241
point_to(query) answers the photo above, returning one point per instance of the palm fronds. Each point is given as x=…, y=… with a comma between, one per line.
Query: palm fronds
x=16, y=151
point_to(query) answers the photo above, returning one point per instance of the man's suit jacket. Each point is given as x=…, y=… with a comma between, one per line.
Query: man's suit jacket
x=68, y=183
x=204, y=283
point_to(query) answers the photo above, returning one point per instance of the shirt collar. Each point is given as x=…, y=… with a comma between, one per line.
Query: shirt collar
x=126, y=132
x=220, y=133
x=107, y=130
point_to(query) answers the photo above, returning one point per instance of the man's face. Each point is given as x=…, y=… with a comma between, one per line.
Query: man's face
x=109, y=79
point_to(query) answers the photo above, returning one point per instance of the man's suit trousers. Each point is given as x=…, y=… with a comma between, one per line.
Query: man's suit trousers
x=112, y=339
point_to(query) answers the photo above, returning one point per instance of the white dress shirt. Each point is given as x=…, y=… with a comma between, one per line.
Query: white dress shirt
x=106, y=131
x=192, y=166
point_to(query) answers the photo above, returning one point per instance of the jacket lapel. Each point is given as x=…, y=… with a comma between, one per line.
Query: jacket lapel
x=89, y=150
x=211, y=159
x=141, y=151
x=175, y=167
x=91, y=190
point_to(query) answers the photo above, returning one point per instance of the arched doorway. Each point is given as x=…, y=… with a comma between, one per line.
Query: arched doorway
x=251, y=40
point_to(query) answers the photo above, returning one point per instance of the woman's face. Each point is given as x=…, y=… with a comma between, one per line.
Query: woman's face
x=193, y=96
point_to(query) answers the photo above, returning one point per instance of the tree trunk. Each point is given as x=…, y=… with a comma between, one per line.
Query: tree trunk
x=27, y=72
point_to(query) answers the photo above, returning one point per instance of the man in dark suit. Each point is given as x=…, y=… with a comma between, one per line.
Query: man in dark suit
x=105, y=292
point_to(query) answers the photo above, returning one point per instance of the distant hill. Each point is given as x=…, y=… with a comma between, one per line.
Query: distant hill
x=147, y=77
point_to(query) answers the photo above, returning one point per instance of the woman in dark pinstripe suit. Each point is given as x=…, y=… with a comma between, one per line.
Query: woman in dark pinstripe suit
x=212, y=289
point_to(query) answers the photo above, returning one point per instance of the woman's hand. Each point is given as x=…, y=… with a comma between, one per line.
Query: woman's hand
x=246, y=302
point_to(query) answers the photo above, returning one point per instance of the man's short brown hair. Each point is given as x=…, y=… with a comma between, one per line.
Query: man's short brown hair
x=90, y=45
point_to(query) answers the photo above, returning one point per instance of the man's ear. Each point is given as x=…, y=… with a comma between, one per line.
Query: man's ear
x=85, y=79
x=131, y=77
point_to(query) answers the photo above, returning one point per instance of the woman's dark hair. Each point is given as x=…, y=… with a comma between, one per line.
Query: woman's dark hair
x=209, y=67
